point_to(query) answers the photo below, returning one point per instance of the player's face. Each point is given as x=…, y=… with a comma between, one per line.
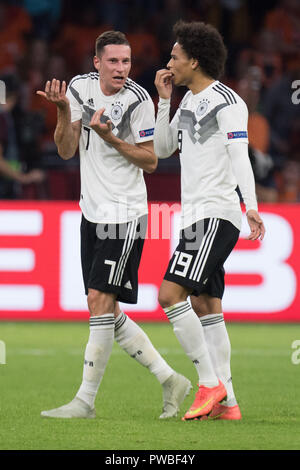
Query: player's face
x=113, y=66
x=180, y=65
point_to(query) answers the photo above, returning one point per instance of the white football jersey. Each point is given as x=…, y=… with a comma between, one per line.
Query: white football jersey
x=113, y=190
x=203, y=126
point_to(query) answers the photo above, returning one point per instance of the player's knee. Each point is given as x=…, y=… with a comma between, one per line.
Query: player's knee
x=163, y=302
x=205, y=304
x=92, y=300
x=199, y=306
x=165, y=299
x=171, y=294
x=99, y=302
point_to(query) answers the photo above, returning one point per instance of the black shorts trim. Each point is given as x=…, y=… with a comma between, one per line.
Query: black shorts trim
x=198, y=260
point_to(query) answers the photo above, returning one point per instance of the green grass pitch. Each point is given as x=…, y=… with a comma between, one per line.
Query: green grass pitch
x=44, y=368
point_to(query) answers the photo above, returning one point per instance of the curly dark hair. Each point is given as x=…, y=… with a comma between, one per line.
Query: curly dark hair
x=110, y=37
x=204, y=43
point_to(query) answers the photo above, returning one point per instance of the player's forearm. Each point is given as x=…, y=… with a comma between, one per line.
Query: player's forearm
x=243, y=172
x=64, y=135
x=164, y=142
x=139, y=156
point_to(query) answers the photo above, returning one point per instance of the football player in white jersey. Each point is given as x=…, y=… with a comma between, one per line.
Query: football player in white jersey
x=111, y=118
x=210, y=131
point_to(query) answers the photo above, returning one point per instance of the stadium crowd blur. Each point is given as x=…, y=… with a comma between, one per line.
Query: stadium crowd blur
x=45, y=39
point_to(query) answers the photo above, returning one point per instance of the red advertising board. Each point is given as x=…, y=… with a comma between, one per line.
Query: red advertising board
x=40, y=273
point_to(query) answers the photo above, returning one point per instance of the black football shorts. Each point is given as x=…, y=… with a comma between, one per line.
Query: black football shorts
x=110, y=257
x=198, y=260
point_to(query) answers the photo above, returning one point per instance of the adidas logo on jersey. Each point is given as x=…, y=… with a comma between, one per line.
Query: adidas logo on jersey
x=91, y=102
x=128, y=285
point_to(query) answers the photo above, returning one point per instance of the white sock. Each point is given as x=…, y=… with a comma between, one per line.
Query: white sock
x=219, y=347
x=97, y=353
x=186, y=328
x=136, y=343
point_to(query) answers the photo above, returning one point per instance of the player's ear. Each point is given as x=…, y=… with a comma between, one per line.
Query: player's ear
x=96, y=62
x=194, y=64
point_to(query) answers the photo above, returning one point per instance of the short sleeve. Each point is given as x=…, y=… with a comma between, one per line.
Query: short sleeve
x=76, y=111
x=143, y=122
x=233, y=123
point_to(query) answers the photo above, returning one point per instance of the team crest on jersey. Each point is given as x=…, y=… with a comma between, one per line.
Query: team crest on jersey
x=91, y=102
x=116, y=112
x=202, y=107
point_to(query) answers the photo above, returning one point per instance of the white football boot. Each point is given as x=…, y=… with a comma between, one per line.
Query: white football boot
x=77, y=408
x=175, y=389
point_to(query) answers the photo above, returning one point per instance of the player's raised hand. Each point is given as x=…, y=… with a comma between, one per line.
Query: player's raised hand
x=163, y=83
x=102, y=128
x=256, y=225
x=55, y=92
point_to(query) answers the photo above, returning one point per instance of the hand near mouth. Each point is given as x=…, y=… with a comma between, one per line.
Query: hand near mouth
x=103, y=128
x=163, y=83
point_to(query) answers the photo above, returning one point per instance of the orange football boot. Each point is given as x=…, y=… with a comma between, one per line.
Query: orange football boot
x=206, y=398
x=220, y=411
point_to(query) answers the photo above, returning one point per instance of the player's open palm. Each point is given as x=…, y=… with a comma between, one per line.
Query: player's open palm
x=55, y=92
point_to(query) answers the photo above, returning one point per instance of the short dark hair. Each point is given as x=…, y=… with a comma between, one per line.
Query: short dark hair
x=110, y=37
x=204, y=43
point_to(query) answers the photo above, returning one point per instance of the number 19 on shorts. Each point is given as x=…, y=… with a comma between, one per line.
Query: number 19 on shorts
x=182, y=260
